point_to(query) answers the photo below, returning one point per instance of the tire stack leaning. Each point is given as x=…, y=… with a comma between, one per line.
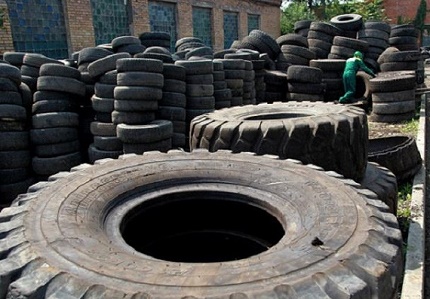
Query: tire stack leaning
x=172, y=105
x=345, y=47
x=320, y=38
x=376, y=34
x=393, y=97
x=55, y=121
x=15, y=149
x=105, y=142
x=332, y=70
x=305, y=83
x=139, y=89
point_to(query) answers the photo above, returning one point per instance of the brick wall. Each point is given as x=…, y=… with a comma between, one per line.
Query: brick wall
x=79, y=20
x=6, y=41
x=79, y=24
x=406, y=9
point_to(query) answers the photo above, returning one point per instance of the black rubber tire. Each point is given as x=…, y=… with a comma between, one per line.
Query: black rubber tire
x=397, y=153
x=401, y=81
x=292, y=39
x=53, y=135
x=14, y=140
x=139, y=148
x=56, y=149
x=325, y=134
x=349, y=240
x=304, y=74
x=52, y=165
x=154, y=131
x=55, y=119
x=391, y=118
x=396, y=96
x=148, y=79
x=394, y=107
x=383, y=182
x=348, y=22
x=54, y=69
x=61, y=84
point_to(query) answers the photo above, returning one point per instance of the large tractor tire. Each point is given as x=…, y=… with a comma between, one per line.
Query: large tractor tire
x=329, y=135
x=198, y=225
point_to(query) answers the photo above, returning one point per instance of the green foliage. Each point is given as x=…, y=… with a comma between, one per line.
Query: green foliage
x=411, y=127
x=296, y=11
x=421, y=15
x=327, y=9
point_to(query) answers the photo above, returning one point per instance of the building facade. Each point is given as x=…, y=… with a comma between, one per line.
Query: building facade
x=57, y=28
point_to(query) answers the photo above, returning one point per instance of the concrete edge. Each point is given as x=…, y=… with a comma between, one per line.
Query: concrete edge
x=414, y=262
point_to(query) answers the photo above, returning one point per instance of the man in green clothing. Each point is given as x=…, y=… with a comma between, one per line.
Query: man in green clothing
x=352, y=66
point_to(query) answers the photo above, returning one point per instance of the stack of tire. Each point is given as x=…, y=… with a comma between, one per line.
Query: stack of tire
x=234, y=73
x=262, y=42
x=222, y=93
x=127, y=44
x=156, y=52
x=86, y=112
x=404, y=37
x=332, y=70
x=249, y=76
x=173, y=103
x=186, y=44
x=393, y=97
x=376, y=34
x=320, y=38
x=203, y=51
x=159, y=39
x=392, y=59
x=55, y=121
x=297, y=55
x=276, y=86
x=31, y=66
x=105, y=142
x=199, y=89
x=139, y=89
x=305, y=83
x=15, y=150
x=14, y=58
x=301, y=27
x=350, y=24
x=345, y=47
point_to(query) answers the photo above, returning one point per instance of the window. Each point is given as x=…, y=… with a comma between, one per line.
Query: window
x=253, y=22
x=202, y=24
x=231, y=28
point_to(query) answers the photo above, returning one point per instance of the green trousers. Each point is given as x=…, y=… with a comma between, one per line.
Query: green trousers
x=349, y=82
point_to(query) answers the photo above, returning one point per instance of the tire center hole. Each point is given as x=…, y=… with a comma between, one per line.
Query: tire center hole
x=276, y=116
x=201, y=227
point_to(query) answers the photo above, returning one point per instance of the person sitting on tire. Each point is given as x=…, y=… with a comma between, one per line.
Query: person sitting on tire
x=352, y=66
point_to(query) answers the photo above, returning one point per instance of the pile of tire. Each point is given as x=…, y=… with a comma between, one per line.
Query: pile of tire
x=320, y=38
x=234, y=74
x=173, y=103
x=276, y=86
x=156, y=52
x=139, y=89
x=305, y=83
x=199, y=89
x=248, y=96
x=127, y=44
x=350, y=24
x=332, y=70
x=105, y=142
x=392, y=59
x=14, y=58
x=329, y=135
x=404, y=37
x=393, y=96
x=377, y=35
x=15, y=149
x=31, y=66
x=55, y=120
x=345, y=47
x=159, y=39
x=301, y=27
x=310, y=227
x=222, y=93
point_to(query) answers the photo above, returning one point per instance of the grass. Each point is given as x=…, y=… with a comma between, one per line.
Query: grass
x=410, y=127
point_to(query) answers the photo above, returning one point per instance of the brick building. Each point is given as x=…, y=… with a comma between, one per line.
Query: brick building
x=57, y=28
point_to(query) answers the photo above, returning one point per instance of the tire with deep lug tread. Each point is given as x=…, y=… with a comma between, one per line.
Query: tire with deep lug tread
x=345, y=243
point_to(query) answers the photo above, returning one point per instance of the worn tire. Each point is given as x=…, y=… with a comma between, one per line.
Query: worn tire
x=397, y=153
x=328, y=135
x=345, y=243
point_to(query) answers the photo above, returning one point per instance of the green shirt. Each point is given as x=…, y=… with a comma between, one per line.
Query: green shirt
x=354, y=64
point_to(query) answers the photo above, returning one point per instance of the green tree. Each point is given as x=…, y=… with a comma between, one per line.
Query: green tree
x=294, y=12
